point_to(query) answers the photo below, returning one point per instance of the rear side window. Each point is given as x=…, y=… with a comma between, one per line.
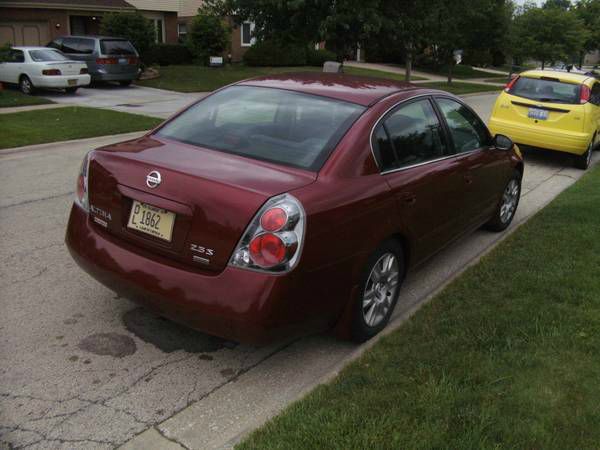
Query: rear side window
x=78, y=45
x=546, y=90
x=268, y=124
x=595, y=98
x=116, y=47
x=415, y=136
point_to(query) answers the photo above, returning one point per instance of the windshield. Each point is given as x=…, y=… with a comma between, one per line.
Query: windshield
x=47, y=55
x=274, y=125
x=546, y=90
x=116, y=47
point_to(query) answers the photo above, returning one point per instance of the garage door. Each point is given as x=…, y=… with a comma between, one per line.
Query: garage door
x=24, y=33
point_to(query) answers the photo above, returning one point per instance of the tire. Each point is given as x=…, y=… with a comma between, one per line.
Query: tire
x=369, y=318
x=583, y=161
x=72, y=90
x=125, y=83
x=26, y=86
x=507, y=207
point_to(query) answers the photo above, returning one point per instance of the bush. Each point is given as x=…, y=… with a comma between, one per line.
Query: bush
x=319, y=57
x=131, y=26
x=208, y=36
x=271, y=53
x=4, y=51
x=167, y=55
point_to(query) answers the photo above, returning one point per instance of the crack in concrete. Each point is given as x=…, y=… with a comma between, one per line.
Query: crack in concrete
x=35, y=200
x=170, y=439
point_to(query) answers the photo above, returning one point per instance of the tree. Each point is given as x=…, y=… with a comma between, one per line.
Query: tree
x=588, y=11
x=548, y=34
x=131, y=26
x=563, y=5
x=208, y=36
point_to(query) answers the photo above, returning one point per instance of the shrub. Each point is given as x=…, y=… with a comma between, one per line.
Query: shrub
x=131, y=26
x=272, y=53
x=208, y=36
x=4, y=51
x=167, y=55
x=319, y=57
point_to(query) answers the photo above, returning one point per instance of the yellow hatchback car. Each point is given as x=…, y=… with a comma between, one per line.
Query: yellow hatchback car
x=551, y=110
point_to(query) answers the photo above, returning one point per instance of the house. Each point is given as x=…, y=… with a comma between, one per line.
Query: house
x=24, y=22
x=241, y=36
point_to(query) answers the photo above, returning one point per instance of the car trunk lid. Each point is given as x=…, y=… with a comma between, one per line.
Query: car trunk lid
x=67, y=67
x=213, y=195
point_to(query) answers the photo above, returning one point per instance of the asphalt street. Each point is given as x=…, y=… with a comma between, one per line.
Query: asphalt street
x=82, y=368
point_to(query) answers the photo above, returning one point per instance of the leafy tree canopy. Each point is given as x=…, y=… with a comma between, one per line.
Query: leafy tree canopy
x=129, y=25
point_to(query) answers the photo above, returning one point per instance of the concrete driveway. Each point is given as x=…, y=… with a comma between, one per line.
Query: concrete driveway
x=83, y=368
x=131, y=99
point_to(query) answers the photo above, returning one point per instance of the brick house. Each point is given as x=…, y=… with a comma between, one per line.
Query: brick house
x=241, y=36
x=37, y=22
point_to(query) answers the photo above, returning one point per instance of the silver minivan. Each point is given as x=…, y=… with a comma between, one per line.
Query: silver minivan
x=107, y=58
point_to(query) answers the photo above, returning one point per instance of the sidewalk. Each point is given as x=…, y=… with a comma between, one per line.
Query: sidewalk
x=428, y=77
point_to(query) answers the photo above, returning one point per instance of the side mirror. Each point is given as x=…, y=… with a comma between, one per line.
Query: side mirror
x=502, y=142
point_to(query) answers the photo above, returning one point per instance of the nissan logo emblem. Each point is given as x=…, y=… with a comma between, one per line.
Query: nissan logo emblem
x=153, y=179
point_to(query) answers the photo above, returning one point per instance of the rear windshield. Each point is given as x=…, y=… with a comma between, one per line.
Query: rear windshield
x=116, y=47
x=274, y=125
x=47, y=55
x=546, y=90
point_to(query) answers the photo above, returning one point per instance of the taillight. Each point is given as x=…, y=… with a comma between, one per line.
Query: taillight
x=81, y=191
x=273, y=240
x=106, y=61
x=133, y=60
x=51, y=72
x=511, y=83
x=585, y=95
x=83, y=71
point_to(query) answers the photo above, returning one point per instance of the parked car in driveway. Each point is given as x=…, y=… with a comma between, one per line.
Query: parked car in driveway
x=290, y=203
x=552, y=110
x=40, y=67
x=107, y=58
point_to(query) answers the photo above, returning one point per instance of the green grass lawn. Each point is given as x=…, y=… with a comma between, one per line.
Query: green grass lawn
x=460, y=88
x=496, y=80
x=72, y=122
x=462, y=72
x=11, y=97
x=205, y=79
x=507, y=356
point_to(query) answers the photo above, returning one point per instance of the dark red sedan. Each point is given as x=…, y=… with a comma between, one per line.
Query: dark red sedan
x=289, y=204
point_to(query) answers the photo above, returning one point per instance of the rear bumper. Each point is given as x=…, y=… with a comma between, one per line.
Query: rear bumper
x=235, y=304
x=560, y=140
x=61, y=81
x=103, y=75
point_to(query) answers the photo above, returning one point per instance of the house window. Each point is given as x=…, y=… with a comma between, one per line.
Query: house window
x=247, y=32
x=159, y=31
x=182, y=30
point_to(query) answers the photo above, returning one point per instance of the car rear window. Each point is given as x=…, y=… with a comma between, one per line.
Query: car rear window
x=546, y=90
x=116, y=47
x=268, y=124
x=47, y=55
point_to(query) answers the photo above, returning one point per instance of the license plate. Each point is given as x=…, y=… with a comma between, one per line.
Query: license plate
x=151, y=220
x=538, y=114
x=72, y=82
x=123, y=61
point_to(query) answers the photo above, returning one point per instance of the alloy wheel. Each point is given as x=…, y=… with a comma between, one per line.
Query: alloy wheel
x=380, y=290
x=26, y=86
x=509, y=201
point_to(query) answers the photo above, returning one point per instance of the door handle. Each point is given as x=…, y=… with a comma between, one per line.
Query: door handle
x=408, y=198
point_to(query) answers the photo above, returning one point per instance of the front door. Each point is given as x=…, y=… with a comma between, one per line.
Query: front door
x=482, y=170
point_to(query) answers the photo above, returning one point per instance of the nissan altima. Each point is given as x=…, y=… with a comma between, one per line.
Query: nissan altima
x=290, y=204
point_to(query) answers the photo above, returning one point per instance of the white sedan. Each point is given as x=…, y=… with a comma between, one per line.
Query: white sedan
x=42, y=67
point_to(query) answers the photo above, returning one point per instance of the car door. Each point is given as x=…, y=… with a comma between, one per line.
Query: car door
x=417, y=163
x=595, y=101
x=482, y=170
x=11, y=70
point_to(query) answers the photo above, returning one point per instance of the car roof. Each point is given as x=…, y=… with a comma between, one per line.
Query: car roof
x=567, y=77
x=364, y=91
x=31, y=48
x=92, y=36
